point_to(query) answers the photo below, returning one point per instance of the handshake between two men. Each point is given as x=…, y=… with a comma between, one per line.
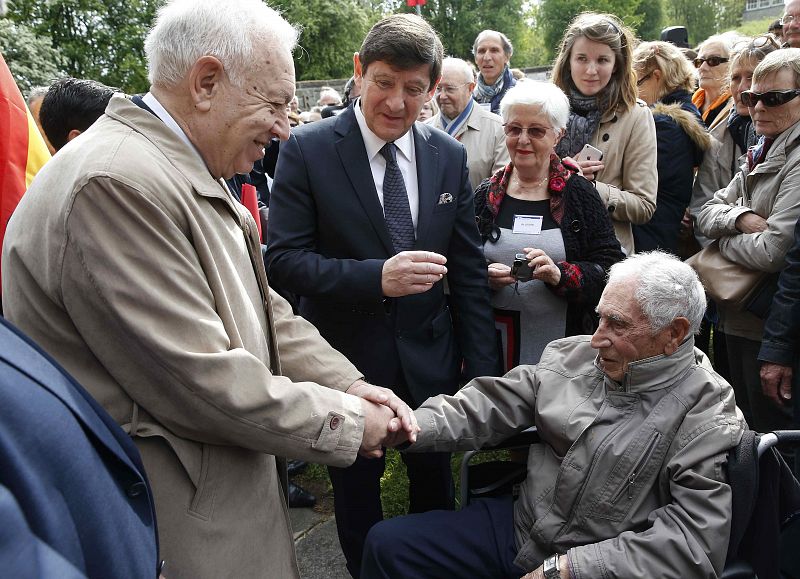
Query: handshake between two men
x=388, y=421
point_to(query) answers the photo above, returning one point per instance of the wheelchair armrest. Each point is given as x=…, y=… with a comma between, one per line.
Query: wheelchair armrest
x=525, y=438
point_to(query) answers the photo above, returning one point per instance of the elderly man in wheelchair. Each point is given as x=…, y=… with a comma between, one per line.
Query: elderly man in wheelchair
x=629, y=479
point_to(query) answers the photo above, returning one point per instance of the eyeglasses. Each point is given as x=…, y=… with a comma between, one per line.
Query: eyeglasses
x=712, y=61
x=515, y=131
x=643, y=80
x=771, y=98
x=764, y=40
x=449, y=90
x=788, y=19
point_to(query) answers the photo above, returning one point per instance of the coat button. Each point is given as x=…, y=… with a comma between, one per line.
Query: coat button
x=335, y=422
x=605, y=137
x=575, y=226
x=135, y=489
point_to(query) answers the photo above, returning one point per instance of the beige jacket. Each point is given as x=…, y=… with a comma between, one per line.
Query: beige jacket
x=629, y=480
x=719, y=165
x=483, y=138
x=628, y=183
x=771, y=191
x=140, y=274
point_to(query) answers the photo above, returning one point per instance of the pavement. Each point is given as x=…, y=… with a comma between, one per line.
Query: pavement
x=318, y=553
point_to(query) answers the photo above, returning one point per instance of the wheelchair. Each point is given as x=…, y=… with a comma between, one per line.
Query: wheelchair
x=748, y=464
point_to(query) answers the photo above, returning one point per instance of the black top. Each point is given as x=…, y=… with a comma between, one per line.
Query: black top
x=512, y=206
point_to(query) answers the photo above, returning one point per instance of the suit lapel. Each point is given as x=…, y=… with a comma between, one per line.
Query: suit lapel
x=353, y=156
x=427, y=171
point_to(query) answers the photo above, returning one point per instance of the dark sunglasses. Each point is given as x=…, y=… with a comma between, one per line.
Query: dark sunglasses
x=771, y=98
x=711, y=60
x=643, y=80
x=515, y=131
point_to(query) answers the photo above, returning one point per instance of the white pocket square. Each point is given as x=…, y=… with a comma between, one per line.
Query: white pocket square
x=445, y=198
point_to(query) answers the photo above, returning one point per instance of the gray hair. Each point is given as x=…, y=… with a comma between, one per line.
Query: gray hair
x=35, y=93
x=508, y=48
x=186, y=30
x=545, y=95
x=464, y=67
x=666, y=288
x=774, y=62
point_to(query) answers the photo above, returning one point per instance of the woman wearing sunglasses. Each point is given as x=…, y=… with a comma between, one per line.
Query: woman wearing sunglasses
x=665, y=80
x=754, y=219
x=593, y=68
x=543, y=215
x=713, y=96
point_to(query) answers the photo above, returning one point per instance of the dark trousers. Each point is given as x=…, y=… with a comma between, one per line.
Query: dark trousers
x=475, y=542
x=357, y=496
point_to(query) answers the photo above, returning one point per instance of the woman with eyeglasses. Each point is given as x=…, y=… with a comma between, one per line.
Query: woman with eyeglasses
x=754, y=219
x=665, y=81
x=547, y=236
x=713, y=96
x=593, y=68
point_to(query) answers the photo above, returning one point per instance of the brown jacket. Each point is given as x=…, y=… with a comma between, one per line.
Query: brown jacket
x=138, y=272
x=628, y=183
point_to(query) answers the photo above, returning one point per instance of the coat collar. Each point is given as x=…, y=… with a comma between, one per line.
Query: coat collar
x=353, y=156
x=656, y=372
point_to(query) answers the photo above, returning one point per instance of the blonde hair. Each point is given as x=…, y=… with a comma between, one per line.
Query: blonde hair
x=676, y=72
x=609, y=30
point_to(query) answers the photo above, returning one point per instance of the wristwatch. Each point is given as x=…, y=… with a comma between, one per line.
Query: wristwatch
x=550, y=567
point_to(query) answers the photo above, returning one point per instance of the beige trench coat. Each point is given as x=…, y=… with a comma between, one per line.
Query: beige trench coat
x=138, y=272
x=628, y=183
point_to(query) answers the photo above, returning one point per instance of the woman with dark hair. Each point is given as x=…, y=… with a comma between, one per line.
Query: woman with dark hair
x=594, y=69
x=665, y=82
x=547, y=236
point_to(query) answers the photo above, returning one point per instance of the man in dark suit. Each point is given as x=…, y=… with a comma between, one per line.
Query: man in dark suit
x=74, y=499
x=369, y=212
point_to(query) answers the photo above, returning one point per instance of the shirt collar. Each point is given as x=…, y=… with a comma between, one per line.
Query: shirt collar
x=162, y=113
x=374, y=143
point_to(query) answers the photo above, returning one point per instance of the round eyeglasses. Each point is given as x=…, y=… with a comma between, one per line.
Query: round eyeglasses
x=515, y=131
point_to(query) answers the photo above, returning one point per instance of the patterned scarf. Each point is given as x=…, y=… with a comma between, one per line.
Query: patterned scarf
x=452, y=127
x=560, y=173
x=584, y=118
x=758, y=152
x=484, y=93
x=741, y=129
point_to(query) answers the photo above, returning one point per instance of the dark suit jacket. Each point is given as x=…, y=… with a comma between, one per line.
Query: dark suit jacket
x=74, y=499
x=328, y=242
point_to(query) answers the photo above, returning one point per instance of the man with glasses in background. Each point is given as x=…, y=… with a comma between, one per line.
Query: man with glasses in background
x=480, y=131
x=790, y=23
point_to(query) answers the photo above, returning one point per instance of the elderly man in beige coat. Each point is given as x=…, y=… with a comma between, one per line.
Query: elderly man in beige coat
x=480, y=131
x=130, y=262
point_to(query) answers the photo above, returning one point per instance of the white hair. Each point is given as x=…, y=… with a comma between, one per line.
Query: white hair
x=329, y=91
x=232, y=31
x=545, y=95
x=666, y=288
x=462, y=65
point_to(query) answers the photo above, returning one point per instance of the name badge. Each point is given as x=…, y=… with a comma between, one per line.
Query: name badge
x=530, y=224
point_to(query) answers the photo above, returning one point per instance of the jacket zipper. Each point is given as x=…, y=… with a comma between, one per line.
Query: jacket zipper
x=630, y=480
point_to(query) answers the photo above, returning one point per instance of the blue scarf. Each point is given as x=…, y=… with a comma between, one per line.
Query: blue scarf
x=452, y=127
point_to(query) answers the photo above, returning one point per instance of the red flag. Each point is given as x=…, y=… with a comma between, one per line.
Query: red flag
x=22, y=149
x=250, y=200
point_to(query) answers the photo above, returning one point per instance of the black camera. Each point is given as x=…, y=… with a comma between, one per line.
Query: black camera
x=520, y=268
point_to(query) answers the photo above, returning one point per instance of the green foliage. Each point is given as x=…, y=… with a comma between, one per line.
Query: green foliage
x=332, y=32
x=652, y=12
x=30, y=57
x=704, y=18
x=755, y=27
x=555, y=15
x=99, y=39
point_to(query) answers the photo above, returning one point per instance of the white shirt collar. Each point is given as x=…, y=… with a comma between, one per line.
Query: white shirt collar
x=374, y=143
x=167, y=119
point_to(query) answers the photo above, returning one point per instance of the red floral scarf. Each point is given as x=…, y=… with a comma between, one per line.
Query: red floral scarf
x=560, y=173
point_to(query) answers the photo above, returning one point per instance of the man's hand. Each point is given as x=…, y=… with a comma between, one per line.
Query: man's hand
x=386, y=397
x=776, y=382
x=412, y=272
x=379, y=423
x=538, y=573
x=500, y=276
x=750, y=223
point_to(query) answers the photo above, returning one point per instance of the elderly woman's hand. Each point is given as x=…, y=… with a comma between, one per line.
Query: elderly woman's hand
x=543, y=267
x=500, y=276
x=751, y=223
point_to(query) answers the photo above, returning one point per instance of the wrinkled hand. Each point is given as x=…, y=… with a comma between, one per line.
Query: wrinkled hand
x=750, y=223
x=379, y=423
x=386, y=397
x=412, y=272
x=590, y=169
x=538, y=573
x=543, y=267
x=776, y=382
x=500, y=276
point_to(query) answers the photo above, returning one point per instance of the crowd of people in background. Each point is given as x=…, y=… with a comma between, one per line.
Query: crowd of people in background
x=236, y=280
